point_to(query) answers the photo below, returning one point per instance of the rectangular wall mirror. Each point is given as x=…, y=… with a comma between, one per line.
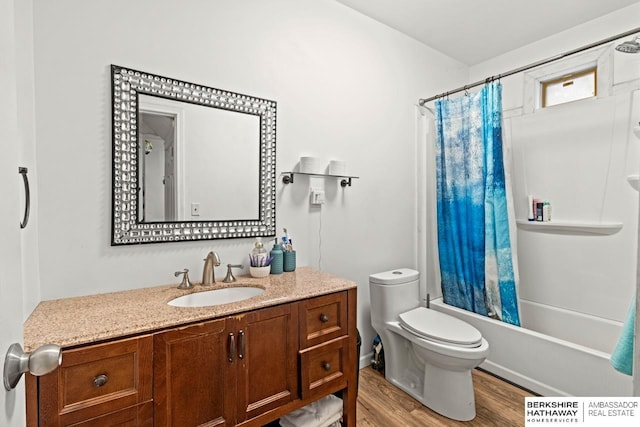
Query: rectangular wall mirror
x=190, y=162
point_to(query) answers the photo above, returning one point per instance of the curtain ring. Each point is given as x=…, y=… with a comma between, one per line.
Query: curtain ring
x=466, y=92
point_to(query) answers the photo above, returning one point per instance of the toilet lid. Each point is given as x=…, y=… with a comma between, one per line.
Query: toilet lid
x=436, y=326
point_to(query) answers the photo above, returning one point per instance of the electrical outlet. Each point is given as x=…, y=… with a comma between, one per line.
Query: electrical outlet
x=195, y=209
x=317, y=196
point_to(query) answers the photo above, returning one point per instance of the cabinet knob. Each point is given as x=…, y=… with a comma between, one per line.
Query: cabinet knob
x=326, y=366
x=324, y=318
x=100, y=380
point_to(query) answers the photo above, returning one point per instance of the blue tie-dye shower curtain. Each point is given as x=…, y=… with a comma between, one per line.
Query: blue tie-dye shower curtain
x=473, y=222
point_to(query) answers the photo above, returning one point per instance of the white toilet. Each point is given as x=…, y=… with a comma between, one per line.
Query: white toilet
x=427, y=354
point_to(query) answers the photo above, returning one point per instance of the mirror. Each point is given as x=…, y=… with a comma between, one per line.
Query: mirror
x=187, y=152
x=190, y=162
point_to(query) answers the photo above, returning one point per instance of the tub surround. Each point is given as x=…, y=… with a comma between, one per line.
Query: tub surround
x=70, y=322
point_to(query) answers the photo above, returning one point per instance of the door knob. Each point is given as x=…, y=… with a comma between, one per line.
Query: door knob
x=39, y=362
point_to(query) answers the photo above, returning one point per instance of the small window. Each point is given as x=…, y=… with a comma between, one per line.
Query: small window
x=571, y=87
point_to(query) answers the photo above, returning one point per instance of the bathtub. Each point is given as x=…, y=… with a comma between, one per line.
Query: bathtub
x=572, y=362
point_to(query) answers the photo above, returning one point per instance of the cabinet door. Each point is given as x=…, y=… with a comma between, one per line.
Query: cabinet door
x=194, y=383
x=267, y=357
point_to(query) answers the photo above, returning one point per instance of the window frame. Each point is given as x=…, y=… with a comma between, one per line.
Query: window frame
x=566, y=78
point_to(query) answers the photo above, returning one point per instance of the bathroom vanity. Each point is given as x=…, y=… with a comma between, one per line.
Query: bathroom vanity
x=130, y=359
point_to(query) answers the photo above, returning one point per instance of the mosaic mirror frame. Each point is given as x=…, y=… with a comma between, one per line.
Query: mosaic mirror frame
x=127, y=229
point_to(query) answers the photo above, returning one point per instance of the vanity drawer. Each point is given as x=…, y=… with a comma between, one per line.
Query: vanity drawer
x=97, y=380
x=134, y=416
x=323, y=318
x=322, y=368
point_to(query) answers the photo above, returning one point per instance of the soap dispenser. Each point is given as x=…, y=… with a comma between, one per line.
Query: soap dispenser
x=277, y=258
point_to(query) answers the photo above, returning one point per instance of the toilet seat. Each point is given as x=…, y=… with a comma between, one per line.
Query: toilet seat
x=439, y=327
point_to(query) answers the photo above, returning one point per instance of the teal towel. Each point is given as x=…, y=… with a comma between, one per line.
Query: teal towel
x=622, y=356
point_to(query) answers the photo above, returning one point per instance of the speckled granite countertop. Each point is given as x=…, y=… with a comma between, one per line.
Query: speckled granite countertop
x=80, y=320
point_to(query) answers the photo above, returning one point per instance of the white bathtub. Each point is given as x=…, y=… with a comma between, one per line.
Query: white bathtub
x=545, y=364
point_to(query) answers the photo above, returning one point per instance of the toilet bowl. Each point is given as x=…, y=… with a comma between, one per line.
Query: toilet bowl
x=428, y=354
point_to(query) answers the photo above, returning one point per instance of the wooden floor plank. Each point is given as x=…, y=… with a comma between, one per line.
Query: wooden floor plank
x=381, y=404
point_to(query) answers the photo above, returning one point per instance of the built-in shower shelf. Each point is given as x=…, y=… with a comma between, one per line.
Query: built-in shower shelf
x=634, y=181
x=566, y=227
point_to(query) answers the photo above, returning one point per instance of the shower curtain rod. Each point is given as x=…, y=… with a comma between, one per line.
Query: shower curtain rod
x=530, y=66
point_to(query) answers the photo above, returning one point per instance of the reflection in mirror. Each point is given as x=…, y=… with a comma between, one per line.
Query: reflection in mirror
x=189, y=162
x=188, y=152
x=156, y=152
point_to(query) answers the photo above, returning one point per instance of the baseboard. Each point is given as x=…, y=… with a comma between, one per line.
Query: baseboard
x=365, y=360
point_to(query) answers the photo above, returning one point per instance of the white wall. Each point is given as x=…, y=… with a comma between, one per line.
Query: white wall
x=345, y=86
x=598, y=29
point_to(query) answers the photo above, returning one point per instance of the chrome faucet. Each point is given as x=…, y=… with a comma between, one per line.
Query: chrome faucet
x=208, y=272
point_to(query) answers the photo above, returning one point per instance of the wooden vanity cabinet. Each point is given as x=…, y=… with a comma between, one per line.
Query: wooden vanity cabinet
x=226, y=371
x=247, y=369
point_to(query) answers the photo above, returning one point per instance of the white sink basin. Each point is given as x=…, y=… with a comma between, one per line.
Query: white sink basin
x=216, y=297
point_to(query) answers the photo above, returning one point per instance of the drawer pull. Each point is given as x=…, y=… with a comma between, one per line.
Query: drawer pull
x=324, y=318
x=241, y=344
x=232, y=347
x=326, y=366
x=100, y=380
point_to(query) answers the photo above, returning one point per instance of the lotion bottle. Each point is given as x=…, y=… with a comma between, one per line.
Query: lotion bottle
x=277, y=258
x=546, y=211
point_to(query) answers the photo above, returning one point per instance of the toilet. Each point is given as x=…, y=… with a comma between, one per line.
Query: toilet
x=428, y=354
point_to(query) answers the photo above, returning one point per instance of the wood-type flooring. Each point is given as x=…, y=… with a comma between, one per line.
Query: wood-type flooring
x=380, y=404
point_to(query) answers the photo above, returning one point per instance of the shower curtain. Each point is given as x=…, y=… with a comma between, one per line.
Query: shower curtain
x=474, y=245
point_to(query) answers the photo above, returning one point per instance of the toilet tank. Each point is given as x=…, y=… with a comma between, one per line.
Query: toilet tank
x=391, y=293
